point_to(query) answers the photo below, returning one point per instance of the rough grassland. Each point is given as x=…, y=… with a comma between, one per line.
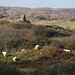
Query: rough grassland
x=64, y=24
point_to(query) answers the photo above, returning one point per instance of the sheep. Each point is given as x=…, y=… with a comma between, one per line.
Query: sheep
x=15, y=59
x=66, y=50
x=37, y=47
x=23, y=50
x=4, y=53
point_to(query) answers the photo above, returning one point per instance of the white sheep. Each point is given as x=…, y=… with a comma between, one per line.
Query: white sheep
x=66, y=50
x=15, y=59
x=23, y=50
x=37, y=47
x=4, y=53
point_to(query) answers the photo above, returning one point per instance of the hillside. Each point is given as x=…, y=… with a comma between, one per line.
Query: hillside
x=18, y=35
x=38, y=13
x=52, y=29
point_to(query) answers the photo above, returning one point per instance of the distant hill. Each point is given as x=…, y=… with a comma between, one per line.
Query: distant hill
x=38, y=13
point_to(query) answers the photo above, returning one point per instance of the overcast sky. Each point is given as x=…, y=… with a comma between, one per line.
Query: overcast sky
x=39, y=3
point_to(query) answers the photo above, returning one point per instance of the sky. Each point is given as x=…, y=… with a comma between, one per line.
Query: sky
x=39, y=3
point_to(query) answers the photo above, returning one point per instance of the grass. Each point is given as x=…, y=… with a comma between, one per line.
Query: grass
x=64, y=69
x=32, y=55
x=44, y=60
x=61, y=23
x=30, y=64
x=28, y=54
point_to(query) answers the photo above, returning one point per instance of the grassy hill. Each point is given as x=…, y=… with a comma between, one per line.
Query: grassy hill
x=61, y=23
x=52, y=35
x=18, y=35
x=46, y=61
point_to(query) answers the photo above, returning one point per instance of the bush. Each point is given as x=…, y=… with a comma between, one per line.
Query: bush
x=42, y=31
x=41, y=17
x=62, y=69
x=55, y=53
x=4, y=22
x=72, y=19
x=64, y=55
x=8, y=70
x=10, y=17
x=19, y=35
x=60, y=54
x=70, y=45
x=20, y=25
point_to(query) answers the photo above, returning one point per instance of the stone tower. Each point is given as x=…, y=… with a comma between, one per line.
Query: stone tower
x=23, y=18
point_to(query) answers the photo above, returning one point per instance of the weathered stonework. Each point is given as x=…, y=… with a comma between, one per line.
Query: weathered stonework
x=23, y=18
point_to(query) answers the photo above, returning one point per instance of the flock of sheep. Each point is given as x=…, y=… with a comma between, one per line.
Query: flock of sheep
x=5, y=54
x=36, y=47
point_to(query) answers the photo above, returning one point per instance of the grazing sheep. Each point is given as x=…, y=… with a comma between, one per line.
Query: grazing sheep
x=66, y=50
x=4, y=53
x=37, y=47
x=15, y=59
x=23, y=50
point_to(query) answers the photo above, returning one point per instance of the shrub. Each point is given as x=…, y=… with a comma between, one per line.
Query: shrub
x=70, y=45
x=60, y=54
x=64, y=55
x=10, y=17
x=55, y=53
x=62, y=69
x=72, y=19
x=4, y=22
x=41, y=17
x=20, y=25
x=72, y=58
x=8, y=70
x=42, y=31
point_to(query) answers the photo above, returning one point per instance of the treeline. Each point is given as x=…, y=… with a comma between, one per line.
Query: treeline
x=38, y=13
